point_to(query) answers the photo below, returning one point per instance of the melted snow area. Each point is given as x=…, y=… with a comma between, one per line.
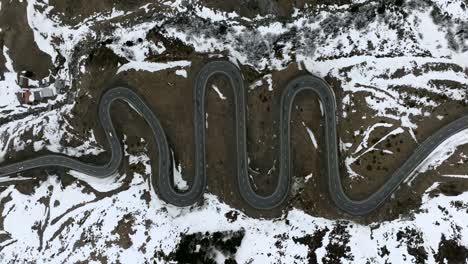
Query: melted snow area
x=386, y=59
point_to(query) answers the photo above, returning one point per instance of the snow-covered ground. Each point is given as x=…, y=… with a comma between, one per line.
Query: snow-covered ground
x=58, y=223
x=75, y=225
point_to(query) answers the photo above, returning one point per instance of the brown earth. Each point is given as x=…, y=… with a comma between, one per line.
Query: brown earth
x=376, y=166
x=280, y=8
x=75, y=11
x=83, y=9
x=2, y=58
x=170, y=97
x=18, y=37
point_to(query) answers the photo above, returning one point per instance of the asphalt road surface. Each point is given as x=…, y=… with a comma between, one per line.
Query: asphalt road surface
x=165, y=182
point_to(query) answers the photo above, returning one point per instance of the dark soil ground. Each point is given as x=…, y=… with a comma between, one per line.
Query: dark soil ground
x=170, y=96
x=280, y=8
x=2, y=58
x=16, y=34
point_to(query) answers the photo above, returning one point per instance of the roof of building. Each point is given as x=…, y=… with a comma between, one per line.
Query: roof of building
x=37, y=96
x=47, y=92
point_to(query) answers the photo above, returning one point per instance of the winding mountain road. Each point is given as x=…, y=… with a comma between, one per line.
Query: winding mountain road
x=165, y=186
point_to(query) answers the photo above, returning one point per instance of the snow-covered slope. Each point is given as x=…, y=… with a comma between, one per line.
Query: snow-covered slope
x=414, y=52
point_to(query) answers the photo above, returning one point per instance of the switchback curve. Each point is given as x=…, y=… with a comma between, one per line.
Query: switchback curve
x=165, y=187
